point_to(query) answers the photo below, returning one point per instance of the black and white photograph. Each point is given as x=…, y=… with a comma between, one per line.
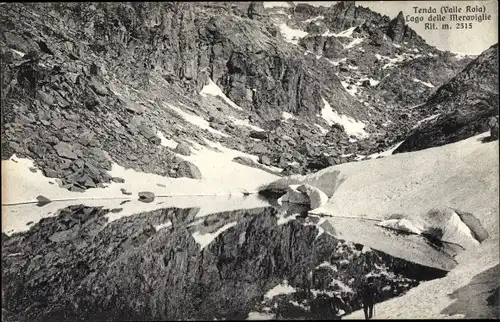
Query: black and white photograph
x=249, y=160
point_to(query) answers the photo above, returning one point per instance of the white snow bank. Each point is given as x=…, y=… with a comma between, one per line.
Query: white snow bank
x=287, y=116
x=351, y=126
x=423, y=83
x=212, y=89
x=272, y=4
x=245, y=123
x=401, y=225
x=205, y=239
x=292, y=35
x=304, y=195
x=280, y=289
x=413, y=183
x=194, y=119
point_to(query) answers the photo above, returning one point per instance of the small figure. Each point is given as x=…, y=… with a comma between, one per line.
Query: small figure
x=494, y=130
x=369, y=294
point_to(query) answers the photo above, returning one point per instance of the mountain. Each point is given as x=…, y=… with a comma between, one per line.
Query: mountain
x=86, y=86
x=461, y=108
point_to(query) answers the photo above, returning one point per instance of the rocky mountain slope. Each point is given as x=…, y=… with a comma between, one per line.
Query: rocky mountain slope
x=461, y=108
x=86, y=86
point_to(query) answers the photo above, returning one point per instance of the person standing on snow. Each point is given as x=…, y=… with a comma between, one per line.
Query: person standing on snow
x=369, y=294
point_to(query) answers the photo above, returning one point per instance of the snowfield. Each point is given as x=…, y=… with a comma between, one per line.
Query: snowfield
x=462, y=176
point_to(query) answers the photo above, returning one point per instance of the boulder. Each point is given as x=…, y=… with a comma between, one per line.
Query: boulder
x=42, y=201
x=182, y=148
x=65, y=150
x=146, y=196
x=264, y=159
x=256, y=10
x=117, y=179
x=261, y=135
x=304, y=194
x=188, y=170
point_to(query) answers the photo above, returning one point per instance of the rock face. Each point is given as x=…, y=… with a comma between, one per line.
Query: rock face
x=398, y=31
x=465, y=105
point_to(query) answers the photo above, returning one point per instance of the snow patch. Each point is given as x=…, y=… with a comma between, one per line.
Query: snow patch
x=292, y=35
x=166, y=142
x=280, y=289
x=345, y=33
x=351, y=126
x=322, y=129
x=422, y=82
x=164, y=225
x=314, y=19
x=260, y=315
x=283, y=220
x=20, y=53
x=328, y=265
x=336, y=63
x=205, y=239
x=273, y=4
x=212, y=89
x=350, y=88
x=287, y=116
x=343, y=287
x=354, y=42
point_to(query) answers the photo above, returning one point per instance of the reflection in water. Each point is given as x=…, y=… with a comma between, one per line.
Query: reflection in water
x=168, y=264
